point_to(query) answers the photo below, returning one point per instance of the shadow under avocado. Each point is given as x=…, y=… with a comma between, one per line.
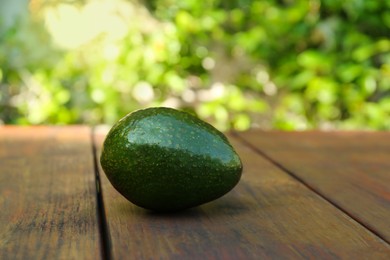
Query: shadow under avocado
x=225, y=206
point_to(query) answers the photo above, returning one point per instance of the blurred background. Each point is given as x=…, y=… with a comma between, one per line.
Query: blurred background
x=287, y=64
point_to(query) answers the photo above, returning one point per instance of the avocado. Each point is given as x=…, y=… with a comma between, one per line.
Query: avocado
x=164, y=159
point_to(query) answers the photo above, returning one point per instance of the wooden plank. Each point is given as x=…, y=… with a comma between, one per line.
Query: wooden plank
x=350, y=169
x=47, y=194
x=269, y=215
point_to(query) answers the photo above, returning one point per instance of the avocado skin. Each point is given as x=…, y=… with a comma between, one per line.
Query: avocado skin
x=163, y=159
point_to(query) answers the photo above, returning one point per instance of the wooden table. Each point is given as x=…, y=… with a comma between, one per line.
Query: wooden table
x=302, y=195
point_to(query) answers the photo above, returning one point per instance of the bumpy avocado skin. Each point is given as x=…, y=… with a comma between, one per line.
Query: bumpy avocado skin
x=163, y=159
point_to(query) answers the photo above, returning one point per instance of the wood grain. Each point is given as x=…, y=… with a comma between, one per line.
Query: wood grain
x=350, y=169
x=47, y=194
x=269, y=215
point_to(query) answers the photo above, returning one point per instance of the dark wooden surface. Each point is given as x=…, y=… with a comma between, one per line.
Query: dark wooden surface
x=47, y=194
x=302, y=195
x=351, y=170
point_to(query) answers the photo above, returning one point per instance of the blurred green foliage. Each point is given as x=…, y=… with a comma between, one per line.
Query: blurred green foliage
x=237, y=64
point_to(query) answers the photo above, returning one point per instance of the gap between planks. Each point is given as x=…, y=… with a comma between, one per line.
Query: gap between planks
x=103, y=225
x=307, y=185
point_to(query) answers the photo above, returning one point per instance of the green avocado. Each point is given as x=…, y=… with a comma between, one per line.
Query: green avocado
x=163, y=159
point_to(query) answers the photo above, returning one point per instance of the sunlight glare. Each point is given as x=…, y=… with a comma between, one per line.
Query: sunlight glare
x=72, y=26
